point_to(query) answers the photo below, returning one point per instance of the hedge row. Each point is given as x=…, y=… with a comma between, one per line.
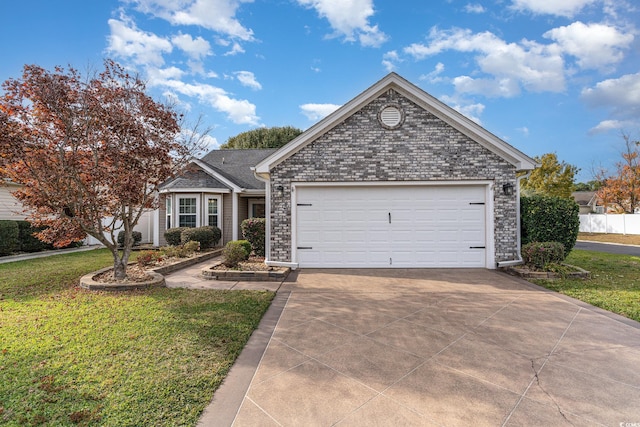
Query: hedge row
x=207, y=236
x=17, y=236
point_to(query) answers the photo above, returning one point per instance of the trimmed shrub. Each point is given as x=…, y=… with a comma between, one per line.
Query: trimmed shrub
x=29, y=242
x=204, y=235
x=247, y=247
x=9, y=237
x=233, y=253
x=217, y=234
x=137, y=238
x=550, y=219
x=173, y=235
x=539, y=254
x=253, y=230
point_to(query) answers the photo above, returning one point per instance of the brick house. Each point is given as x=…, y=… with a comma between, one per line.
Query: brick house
x=220, y=189
x=394, y=178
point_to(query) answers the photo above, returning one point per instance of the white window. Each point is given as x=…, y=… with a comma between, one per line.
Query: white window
x=187, y=211
x=213, y=211
x=169, y=210
x=256, y=208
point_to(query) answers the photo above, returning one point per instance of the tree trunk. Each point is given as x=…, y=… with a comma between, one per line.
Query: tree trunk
x=119, y=268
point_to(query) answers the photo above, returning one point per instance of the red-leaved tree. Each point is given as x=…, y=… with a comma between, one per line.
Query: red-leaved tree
x=88, y=152
x=621, y=191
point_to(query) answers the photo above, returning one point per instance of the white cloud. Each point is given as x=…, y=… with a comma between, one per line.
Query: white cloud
x=239, y=111
x=318, y=111
x=235, y=49
x=474, y=8
x=596, y=46
x=510, y=66
x=350, y=19
x=524, y=130
x=434, y=76
x=566, y=8
x=196, y=48
x=141, y=47
x=247, y=78
x=621, y=96
x=390, y=59
x=469, y=110
x=609, y=125
x=216, y=15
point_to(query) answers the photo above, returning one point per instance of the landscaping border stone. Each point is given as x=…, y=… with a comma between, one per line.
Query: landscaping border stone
x=530, y=274
x=87, y=282
x=249, y=276
x=157, y=275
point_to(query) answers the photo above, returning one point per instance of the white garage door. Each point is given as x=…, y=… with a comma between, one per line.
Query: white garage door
x=383, y=227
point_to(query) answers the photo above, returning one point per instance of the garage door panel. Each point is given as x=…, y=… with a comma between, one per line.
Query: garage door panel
x=429, y=227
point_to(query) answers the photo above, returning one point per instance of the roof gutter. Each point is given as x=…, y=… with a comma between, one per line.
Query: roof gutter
x=518, y=260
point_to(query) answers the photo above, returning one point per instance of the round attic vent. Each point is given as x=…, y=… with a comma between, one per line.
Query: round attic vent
x=391, y=116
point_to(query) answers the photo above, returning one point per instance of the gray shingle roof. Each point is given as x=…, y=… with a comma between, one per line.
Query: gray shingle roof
x=194, y=178
x=235, y=165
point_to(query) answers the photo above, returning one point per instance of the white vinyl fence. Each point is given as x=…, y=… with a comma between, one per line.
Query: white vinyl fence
x=610, y=223
x=144, y=226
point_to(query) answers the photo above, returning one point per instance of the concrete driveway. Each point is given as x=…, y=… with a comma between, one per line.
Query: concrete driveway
x=432, y=348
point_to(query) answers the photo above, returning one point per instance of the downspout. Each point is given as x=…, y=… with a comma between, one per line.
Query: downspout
x=519, y=259
x=267, y=212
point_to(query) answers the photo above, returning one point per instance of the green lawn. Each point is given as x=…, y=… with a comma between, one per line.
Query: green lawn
x=614, y=283
x=143, y=358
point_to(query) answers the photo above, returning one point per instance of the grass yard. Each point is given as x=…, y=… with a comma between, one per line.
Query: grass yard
x=144, y=358
x=625, y=239
x=614, y=284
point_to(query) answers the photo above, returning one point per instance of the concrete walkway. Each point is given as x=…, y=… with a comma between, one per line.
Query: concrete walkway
x=431, y=348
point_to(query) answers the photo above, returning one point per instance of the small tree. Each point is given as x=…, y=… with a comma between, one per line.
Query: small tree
x=254, y=230
x=623, y=188
x=274, y=137
x=89, y=153
x=551, y=178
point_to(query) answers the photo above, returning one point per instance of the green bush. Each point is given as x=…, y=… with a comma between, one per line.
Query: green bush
x=253, y=230
x=9, y=237
x=28, y=242
x=233, y=253
x=550, y=219
x=540, y=254
x=137, y=238
x=247, y=247
x=217, y=234
x=173, y=235
x=206, y=236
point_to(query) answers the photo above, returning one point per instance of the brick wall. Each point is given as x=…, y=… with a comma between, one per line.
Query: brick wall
x=424, y=148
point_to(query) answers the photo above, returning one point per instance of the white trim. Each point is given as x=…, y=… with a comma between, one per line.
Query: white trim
x=195, y=190
x=176, y=208
x=489, y=219
x=291, y=265
x=156, y=228
x=205, y=209
x=252, y=203
x=234, y=218
x=422, y=98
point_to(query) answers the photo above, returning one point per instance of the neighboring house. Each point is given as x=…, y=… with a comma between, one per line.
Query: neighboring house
x=588, y=202
x=394, y=178
x=219, y=189
x=10, y=207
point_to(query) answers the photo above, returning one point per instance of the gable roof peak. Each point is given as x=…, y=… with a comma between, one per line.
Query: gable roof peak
x=428, y=102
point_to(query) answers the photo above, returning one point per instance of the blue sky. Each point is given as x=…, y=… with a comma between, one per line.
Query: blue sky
x=545, y=75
